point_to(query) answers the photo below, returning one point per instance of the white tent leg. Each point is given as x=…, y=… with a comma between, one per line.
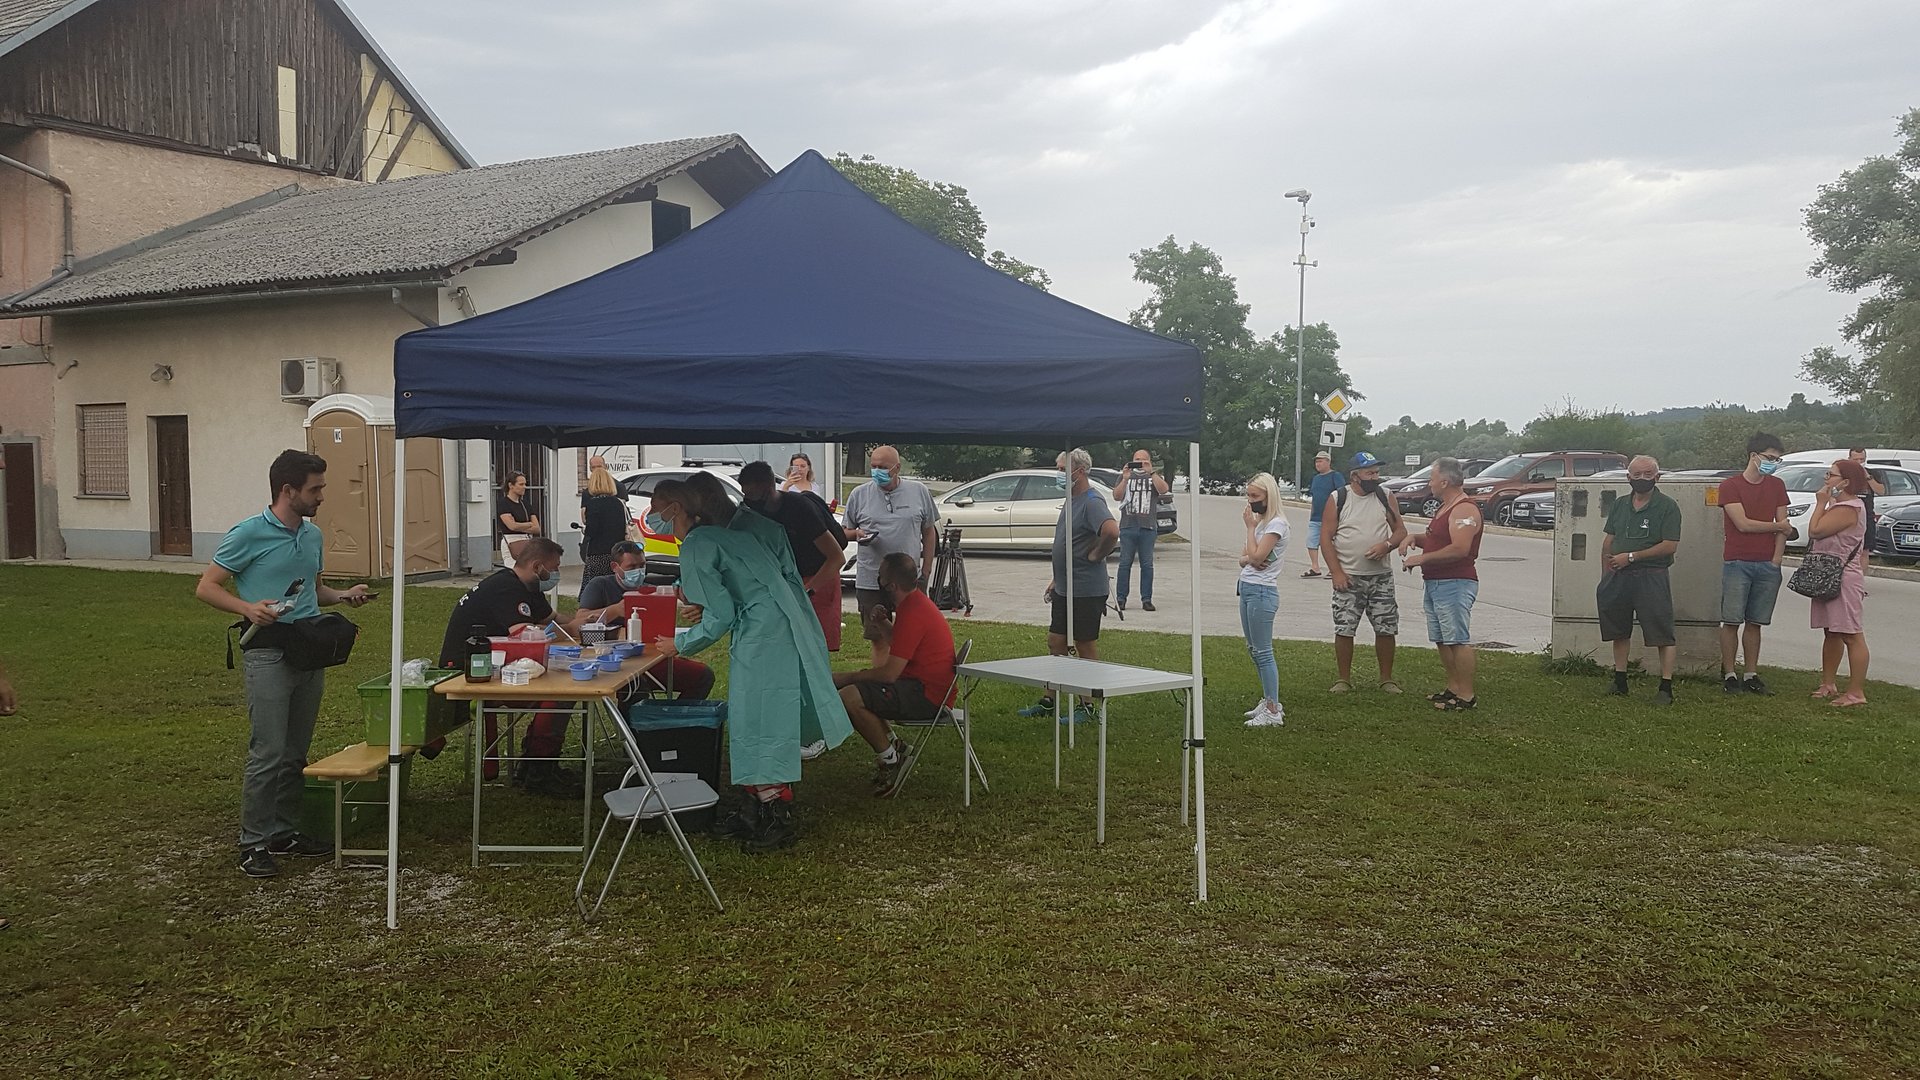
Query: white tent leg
x=1199, y=732
x=396, y=658
x=1066, y=511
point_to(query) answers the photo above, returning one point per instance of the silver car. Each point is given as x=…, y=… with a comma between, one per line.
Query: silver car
x=1009, y=511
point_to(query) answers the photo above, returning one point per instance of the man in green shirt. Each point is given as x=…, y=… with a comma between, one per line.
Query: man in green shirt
x=1643, y=532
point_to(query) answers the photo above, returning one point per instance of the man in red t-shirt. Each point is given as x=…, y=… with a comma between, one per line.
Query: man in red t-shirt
x=1755, y=503
x=912, y=668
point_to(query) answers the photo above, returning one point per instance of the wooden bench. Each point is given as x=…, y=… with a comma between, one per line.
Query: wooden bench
x=359, y=763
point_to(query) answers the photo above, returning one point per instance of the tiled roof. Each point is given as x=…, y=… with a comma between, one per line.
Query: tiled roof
x=418, y=227
x=20, y=15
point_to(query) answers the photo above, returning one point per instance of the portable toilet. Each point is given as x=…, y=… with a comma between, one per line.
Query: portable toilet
x=354, y=433
x=1581, y=506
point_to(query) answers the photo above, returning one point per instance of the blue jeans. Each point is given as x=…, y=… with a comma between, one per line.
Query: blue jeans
x=282, y=705
x=1449, y=604
x=1136, y=540
x=1258, y=603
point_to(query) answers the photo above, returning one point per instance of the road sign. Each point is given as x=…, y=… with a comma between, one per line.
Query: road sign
x=1411, y=460
x=1336, y=405
x=1333, y=433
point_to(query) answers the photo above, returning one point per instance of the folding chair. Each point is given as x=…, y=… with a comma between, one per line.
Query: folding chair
x=948, y=716
x=659, y=795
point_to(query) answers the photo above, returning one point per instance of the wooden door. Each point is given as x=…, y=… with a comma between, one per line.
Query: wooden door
x=22, y=477
x=175, y=493
x=348, y=516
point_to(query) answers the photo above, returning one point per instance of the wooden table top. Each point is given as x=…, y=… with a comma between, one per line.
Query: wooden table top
x=556, y=685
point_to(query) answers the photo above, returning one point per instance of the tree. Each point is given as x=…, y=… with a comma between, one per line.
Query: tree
x=1867, y=226
x=949, y=461
x=1025, y=272
x=1573, y=428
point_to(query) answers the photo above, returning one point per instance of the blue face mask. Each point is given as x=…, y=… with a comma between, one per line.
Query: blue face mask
x=882, y=477
x=634, y=578
x=1768, y=468
x=658, y=525
x=1060, y=479
x=548, y=583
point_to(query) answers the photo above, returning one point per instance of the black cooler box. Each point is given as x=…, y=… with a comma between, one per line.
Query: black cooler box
x=681, y=736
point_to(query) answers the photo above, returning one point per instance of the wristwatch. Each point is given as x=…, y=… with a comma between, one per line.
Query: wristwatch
x=1629, y=556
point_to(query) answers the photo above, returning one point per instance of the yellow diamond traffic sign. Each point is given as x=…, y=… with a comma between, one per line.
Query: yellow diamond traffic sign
x=1336, y=405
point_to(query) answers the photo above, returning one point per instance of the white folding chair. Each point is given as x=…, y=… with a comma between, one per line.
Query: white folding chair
x=658, y=796
x=948, y=716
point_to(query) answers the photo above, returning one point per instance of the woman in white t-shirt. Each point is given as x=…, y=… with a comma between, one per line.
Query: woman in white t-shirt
x=1259, y=591
x=800, y=475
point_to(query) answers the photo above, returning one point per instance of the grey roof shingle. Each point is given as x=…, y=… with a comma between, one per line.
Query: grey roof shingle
x=19, y=15
x=416, y=227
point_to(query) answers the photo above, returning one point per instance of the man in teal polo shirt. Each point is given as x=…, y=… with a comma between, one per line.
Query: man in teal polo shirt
x=263, y=556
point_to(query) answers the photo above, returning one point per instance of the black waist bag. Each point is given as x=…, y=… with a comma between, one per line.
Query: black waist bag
x=310, y=644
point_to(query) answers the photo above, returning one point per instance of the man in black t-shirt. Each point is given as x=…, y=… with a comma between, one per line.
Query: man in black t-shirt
x=815, y=537
x=503, y=600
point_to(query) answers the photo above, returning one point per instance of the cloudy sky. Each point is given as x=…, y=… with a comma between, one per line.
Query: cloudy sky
x=1518, y=201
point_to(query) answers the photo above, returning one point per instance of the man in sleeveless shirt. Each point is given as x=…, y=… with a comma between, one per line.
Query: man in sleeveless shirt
x=1360, y=530
x=1446, y=558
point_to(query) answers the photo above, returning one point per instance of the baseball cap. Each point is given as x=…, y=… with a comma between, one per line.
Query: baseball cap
x=1324, y=455
x=1364, y=460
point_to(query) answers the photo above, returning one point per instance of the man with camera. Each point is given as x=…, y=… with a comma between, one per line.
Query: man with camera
x=1138, y=492
x=273, y=560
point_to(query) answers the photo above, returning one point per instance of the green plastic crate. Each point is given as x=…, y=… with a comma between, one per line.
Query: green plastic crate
x=359, y=815
x=424, y=715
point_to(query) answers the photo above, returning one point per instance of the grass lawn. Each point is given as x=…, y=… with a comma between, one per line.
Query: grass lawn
x=1556, y=885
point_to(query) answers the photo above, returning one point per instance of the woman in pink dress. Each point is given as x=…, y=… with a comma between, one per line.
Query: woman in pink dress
x=1838, y=526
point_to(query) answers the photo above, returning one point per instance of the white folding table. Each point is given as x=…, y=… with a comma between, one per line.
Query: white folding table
x=1099, y=680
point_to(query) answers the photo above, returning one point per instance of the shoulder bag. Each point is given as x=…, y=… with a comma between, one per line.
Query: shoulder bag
x=1820, y=574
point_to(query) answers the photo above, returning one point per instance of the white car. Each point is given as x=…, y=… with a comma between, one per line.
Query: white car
x=1009, y=511
x=1902, y=489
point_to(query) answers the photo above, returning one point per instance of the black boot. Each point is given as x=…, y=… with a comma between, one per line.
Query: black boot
x=774, y=830
x=742, y=823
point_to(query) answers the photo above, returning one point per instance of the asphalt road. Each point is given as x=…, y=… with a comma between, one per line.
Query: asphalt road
x=1515, y=605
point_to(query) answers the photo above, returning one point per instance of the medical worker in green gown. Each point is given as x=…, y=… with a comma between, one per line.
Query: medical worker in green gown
x=780, y=691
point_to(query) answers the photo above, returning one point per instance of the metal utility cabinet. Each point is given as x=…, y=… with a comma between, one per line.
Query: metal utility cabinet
x=1580, y=524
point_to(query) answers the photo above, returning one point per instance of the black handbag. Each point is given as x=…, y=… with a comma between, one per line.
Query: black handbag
x=319, y=641
x=1820, y=574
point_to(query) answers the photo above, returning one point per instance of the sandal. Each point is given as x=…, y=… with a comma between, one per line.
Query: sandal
x=1388, y=686
x=1825, y=690
x=1340, y=687
x=1442, y=697
x=1310, y=573
x=1847, y=701
x=1456, y=704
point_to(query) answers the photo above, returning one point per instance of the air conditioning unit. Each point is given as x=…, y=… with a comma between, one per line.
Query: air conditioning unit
x=307, y=379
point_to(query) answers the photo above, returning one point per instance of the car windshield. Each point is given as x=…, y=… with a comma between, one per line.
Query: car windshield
x=1422, y=474
x=1803, y=478
x=1507, y=467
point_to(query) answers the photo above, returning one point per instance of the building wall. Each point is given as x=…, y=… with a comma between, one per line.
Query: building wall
x=226, y=382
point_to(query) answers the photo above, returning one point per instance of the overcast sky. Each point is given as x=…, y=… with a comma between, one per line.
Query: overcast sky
x=1518, y=201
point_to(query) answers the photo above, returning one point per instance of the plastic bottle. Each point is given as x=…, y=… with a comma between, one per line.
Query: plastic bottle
x=633, y=626
x=479, y=656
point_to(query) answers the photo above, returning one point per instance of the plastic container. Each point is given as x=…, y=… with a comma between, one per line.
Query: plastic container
x=424, y=715
x=595, y=633
x=365, y=807
x=657, y=610
x=609, y=663
x=518, y=649
x=681, y=736
x=562, y=655
x=584, y=670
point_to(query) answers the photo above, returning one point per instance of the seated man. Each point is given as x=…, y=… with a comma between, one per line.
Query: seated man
x=500, y=604
x=912, y=666
x=691, y=680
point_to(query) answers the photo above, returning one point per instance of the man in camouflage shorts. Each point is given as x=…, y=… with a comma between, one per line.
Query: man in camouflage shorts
x=1360, y=530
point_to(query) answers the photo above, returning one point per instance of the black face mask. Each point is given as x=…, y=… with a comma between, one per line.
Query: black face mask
x=1369, y=486
x=1257, y=507
x=1641, y=487
x=754, y=504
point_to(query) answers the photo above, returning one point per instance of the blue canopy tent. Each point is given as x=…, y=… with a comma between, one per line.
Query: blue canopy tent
x=807, y=311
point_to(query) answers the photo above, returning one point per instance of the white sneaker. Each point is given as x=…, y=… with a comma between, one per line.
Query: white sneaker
x=813, y=750
x=1264, y=717
x=1255, y=711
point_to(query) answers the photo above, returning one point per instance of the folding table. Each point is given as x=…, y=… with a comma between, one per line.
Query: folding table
x=556, y=685
x=1096, y=679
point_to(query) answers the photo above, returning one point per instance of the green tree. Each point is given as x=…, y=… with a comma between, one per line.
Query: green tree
x=1867, y=227
x=1572, y=428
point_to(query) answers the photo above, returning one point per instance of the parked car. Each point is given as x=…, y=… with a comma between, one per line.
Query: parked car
x=1902, y=490
x=1009, y=511
x=1414, y=497
x=1896, y=535
x=663, y=551
x=1495, y=488
x=1535, y=511
x=1166, y=517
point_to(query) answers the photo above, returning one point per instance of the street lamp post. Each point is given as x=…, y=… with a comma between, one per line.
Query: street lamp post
x=1299, y=342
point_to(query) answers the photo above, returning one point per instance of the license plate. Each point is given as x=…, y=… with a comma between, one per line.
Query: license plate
x=1910, y=539
x=1521, y=511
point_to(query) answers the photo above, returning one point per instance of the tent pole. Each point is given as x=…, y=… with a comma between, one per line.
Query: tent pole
x=1198, y=735
x=1066, y=510
x=396, y=657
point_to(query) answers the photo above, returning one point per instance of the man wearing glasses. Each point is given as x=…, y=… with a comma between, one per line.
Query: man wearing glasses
x=888, y=514
x=1755, y=503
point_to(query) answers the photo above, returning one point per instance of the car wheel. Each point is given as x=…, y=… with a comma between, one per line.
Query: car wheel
x=1429, y=506
x=1503, y=512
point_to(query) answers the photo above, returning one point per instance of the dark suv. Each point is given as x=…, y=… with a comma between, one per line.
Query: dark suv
x=1412, y=494
x=1495, y=488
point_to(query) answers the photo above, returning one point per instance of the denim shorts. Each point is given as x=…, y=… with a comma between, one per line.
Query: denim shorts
x=1313, y=535
x=1449, y=606
x=1748, y=589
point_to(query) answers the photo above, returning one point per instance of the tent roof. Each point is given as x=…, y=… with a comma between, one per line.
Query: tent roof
x=807, y=310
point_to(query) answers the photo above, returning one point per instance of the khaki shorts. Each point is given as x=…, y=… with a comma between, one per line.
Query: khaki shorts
x=1373, y=594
